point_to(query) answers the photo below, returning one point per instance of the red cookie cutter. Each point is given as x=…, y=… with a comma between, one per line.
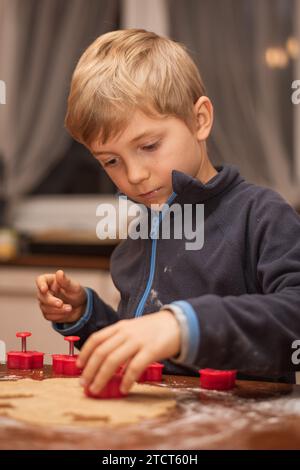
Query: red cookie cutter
x=212, y=379
x=111, y=389
x=24, y=359
x=65, y=364
x=153, y=373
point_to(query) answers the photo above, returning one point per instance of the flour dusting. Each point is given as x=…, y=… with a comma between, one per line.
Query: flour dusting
x=228, y=416
x=154, y=298
x=167, y=269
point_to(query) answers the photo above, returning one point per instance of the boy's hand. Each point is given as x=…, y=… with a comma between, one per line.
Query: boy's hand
x=61, y=299
x=137, y=342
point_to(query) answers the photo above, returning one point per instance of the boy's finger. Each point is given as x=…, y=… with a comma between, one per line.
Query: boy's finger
x=96, y=359
x=95, y=340
x=50, y=300
x=54, y=287
x=65, y=282
x=134, y=370
x=110, y=365
x=43, y=282
x=49, y=310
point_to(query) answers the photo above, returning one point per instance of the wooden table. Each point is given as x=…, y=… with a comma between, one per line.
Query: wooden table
x=255, y=415
x=54, y=261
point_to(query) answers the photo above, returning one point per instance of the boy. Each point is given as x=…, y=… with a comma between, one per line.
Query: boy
x=138, y=103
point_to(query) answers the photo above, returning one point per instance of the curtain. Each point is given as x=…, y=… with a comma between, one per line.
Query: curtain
x=297, y=107
x=150, y=15
x=253, y=108
x=40, y=43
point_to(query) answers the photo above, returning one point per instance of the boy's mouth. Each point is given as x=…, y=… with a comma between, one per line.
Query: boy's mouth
x=150, y=194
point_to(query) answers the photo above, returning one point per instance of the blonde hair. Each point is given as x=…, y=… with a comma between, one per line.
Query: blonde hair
x=125, y=70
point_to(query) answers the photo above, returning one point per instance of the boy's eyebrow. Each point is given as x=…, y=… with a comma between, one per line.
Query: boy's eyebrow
x=136, y=138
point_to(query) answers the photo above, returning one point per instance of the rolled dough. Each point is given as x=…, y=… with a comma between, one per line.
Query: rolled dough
x=61, y=401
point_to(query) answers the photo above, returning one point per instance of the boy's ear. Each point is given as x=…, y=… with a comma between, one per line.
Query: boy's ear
x=204, y=114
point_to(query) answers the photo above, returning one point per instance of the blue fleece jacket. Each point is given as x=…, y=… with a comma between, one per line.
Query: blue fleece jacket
x=239, y=293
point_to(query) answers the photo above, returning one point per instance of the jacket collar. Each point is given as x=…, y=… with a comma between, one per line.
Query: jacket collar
x=191, y=190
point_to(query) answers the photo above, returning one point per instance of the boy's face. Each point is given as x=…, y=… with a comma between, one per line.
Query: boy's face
x=141, y=167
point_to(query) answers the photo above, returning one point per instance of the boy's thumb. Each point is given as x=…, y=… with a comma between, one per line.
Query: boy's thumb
x=62, y=279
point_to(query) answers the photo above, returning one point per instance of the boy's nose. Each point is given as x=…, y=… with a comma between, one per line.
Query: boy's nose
x=137, y=173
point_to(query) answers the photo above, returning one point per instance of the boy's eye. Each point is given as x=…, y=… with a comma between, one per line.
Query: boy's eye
x=148, y=148
x=151, y=146
x=111, y=162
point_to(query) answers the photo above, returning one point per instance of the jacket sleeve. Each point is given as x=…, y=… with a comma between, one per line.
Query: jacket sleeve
x=254, y=332
x=97, y=315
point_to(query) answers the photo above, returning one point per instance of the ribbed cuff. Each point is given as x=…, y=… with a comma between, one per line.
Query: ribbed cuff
x=190, y=331
x=184, y=331
x=72, y=328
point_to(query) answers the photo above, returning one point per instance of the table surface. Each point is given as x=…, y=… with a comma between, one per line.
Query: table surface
x=255, y=415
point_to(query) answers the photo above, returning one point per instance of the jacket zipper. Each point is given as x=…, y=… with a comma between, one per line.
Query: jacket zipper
x=141, y=305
